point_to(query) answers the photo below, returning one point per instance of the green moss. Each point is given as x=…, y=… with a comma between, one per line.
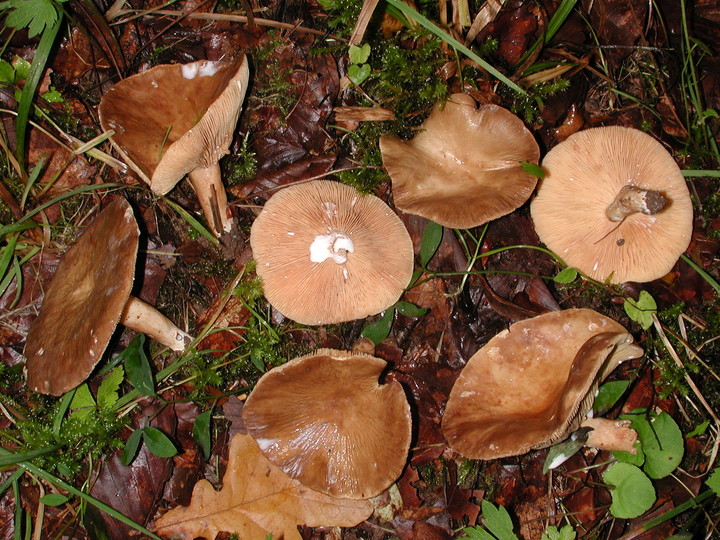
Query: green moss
x=241, y=166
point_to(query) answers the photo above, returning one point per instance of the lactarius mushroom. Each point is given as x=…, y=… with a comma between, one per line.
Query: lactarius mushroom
x=88, y=296
x=533, y=384
x=325, y=420
x=463, y=169
x=328, y=254
x=173, y=120
x=613, y=204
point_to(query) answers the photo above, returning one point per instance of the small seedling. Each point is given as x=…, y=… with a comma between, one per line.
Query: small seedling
x=642, y=309
x=566, y=275
x=137, y=366
x=359, y=71
x=156, y=441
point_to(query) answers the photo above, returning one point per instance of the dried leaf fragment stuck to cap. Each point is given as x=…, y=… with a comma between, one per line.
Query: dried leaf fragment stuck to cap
x=614, y=204
x=328, y=254
x=173, y=120
x=463, y=169
x=325, y=420
x=531, y=385
x=88, y=296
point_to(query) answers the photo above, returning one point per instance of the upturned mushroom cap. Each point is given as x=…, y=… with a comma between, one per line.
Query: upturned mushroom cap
x=325, y=420
x=613, y=204
x=174, y=118
x=463, y=169
x=328, y=254
x=84, y=303
x=531, y=385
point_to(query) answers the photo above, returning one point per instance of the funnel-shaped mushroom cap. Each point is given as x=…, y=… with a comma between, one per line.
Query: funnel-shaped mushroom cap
x=613, y=204
x=463, y=169
x=532, y=384
x=328, y=254
x=324, y=420
x=84, y=303
x=173, y=118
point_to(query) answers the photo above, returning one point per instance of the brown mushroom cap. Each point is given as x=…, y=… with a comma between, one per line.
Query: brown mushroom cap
x=84, y=303
x=532, y=384
x=174, y=118
x=328, y=254
x=463, y=169
x=324, y=420
x=589, y=173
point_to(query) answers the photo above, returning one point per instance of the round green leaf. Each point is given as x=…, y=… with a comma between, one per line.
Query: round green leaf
x=631, y=490
x=662, y=443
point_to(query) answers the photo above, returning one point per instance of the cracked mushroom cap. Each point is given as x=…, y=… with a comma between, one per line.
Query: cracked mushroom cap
x=463, y=169
x=613, y=204
x=84, y=303
x=175, y=118
x=325, y=420
x=328, y=254
x=532, y=384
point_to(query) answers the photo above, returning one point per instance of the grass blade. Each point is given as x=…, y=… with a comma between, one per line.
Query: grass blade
x=707, y=277
x=47, y=40
x=194, y=223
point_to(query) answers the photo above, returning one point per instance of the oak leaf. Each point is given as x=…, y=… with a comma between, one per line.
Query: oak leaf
x=257, y=499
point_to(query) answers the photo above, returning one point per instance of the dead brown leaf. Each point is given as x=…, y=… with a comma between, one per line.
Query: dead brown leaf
x=257, y=498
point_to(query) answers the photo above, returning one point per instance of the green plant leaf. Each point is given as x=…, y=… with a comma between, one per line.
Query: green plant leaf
x=477, y=533
x=7, y=73
x=359, y=55
x=377, y=331
x=498, y=521
x=552, y=533
x=107, y=395
x=137, y=366
x=533, y=169
x=642, y=309
x=566, y=275
x=53, y=499
x=34, y=15
x=201, y=432
x=632, y=491
x=608, y=394
x=358, y=74
x=700, y=429
x=83, y=403
x=431, y=238
x=410, y=310
x=131, y=447
x=662, y=443
x=158, y=443
x=713, y=481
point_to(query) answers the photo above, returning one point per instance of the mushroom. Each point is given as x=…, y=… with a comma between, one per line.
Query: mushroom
x=328, y=254
x=533, y=384
x=173, y=120
x=464, y=168
x=88, y=296
x=613, y=204
x=324, y=420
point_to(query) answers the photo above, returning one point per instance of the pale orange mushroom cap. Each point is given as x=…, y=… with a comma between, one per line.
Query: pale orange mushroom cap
x=84, y=303
x=325, y=420
x=532, y=384
x=178, y=119
x=463, y=169
x=328, y=254
x=586, y=178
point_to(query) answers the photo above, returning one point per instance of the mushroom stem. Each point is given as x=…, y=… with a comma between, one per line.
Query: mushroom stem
x=615, y=435
x=631, y=200
x=211, y=193
x=144, y=318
